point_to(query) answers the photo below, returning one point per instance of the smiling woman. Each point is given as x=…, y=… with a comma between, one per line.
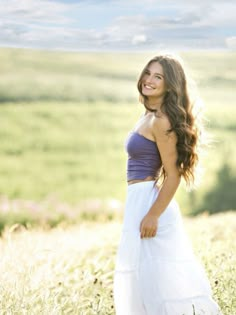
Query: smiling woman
x=156, y=271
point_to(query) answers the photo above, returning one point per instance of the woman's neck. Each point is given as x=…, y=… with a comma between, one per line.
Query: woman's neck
x=155, y=103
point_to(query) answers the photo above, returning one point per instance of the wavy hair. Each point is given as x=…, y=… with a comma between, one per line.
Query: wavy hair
x=179, y=110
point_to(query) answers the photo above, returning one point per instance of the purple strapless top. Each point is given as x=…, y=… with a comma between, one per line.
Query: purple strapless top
x=143, y=157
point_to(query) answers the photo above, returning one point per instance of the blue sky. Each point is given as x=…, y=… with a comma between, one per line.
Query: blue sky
x=118, y=25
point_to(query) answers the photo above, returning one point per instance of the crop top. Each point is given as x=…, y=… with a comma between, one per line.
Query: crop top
x=143, y=157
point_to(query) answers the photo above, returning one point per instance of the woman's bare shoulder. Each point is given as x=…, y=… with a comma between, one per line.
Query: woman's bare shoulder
x=160, y=123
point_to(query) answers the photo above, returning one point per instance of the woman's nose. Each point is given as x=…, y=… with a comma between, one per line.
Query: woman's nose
x=149, y=79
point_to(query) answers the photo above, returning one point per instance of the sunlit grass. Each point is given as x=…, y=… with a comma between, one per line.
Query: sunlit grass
x=69, y=270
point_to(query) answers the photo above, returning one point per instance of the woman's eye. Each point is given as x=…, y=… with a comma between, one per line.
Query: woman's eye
x=157, y=76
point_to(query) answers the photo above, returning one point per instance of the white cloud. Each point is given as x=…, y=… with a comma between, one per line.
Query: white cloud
x=30, y=11
x=219, y=15
x=231, y=42
x=139, y=39
x=53, y=24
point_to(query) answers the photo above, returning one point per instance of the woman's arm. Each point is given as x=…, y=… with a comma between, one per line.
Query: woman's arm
x=167, y=147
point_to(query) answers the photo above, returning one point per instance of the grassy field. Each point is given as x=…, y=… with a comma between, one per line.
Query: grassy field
x=56, y=272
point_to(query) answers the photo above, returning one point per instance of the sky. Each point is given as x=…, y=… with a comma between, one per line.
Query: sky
x=118, y=25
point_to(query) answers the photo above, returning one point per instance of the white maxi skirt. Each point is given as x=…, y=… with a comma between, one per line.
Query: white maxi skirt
x=158, y=275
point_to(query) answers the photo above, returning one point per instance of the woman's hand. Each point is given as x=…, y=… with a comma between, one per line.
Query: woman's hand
x=148, y=225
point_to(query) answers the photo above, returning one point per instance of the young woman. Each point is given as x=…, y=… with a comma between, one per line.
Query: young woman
x=156, y=272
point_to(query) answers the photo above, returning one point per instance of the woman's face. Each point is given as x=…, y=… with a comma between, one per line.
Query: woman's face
x=153, y=81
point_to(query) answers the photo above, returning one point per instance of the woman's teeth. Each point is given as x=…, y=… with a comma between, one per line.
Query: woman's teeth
x=148, y=87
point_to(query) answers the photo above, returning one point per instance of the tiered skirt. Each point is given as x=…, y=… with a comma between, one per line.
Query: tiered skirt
x=158, y=275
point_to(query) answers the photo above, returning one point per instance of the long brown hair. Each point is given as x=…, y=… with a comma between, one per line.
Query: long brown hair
x=179, y=110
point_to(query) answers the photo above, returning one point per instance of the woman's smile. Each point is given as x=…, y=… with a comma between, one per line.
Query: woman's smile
x=148, y=86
